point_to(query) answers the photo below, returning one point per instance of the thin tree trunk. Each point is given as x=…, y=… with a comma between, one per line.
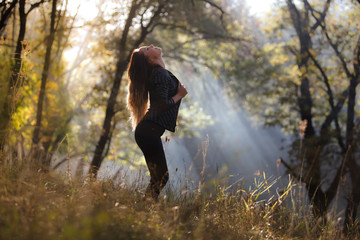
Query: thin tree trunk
x=5, y=15
x=44, y=76
x=353, y=201
x=354, y=168
x=15, y=79
x=104, y=138
x=120, y=69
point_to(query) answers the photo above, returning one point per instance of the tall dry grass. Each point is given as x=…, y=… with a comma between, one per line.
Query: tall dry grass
x=37, y=205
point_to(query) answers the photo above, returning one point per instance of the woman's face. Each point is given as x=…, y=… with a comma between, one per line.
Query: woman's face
x=151, y=53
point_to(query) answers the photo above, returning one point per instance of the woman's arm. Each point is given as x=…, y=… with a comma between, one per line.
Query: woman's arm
x=160, y=92
x=160, y=100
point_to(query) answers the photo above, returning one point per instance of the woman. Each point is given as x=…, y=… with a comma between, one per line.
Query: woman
x=148, y=78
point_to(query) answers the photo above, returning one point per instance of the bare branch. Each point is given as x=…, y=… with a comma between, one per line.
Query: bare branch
x=219, y=8
x=356, y=60
x=336, y=109
x=156, y=15
x=142, y=16
x=322, y=15
x=290, y=169
x=35, y=5
x=292, y=49
x=205, y=34
x=67, y=37
x=331, y=100
x=132, y=12
x=338, y=53
x=5, y=14
x=68, y=158
x=320, y=22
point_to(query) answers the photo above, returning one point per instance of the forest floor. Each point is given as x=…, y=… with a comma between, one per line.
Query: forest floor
x=36, y=205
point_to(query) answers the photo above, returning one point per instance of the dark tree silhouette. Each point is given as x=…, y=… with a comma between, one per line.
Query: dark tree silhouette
x=5, y=10
x=36, y=152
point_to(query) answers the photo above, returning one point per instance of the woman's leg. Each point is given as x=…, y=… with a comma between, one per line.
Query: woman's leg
x=148, y=138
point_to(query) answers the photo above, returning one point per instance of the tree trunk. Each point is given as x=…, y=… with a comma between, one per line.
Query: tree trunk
x=5, y=15
x=15, y=79
x=354, y=168
x=311, y=144
x=320, y=198
x=354, y=198
x=109, y=114
x=105, y=135
x=36, y=149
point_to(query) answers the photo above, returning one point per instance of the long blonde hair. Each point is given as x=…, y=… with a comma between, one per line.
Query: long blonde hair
x=139, y=72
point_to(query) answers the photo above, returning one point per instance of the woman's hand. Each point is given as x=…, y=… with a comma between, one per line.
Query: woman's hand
x=181, y=92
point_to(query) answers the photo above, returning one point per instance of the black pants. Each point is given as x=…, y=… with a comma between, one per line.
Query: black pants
x=147, y=136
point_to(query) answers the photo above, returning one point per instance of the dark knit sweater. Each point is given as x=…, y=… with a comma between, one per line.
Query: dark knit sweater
x=163, y=110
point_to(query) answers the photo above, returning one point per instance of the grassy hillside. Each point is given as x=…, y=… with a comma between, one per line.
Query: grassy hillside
x=36, y=205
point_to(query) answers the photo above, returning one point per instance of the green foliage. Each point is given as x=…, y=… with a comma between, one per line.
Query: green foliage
x=192, y=119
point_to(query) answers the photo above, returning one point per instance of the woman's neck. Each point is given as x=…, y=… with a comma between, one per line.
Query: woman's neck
x=159, y=62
